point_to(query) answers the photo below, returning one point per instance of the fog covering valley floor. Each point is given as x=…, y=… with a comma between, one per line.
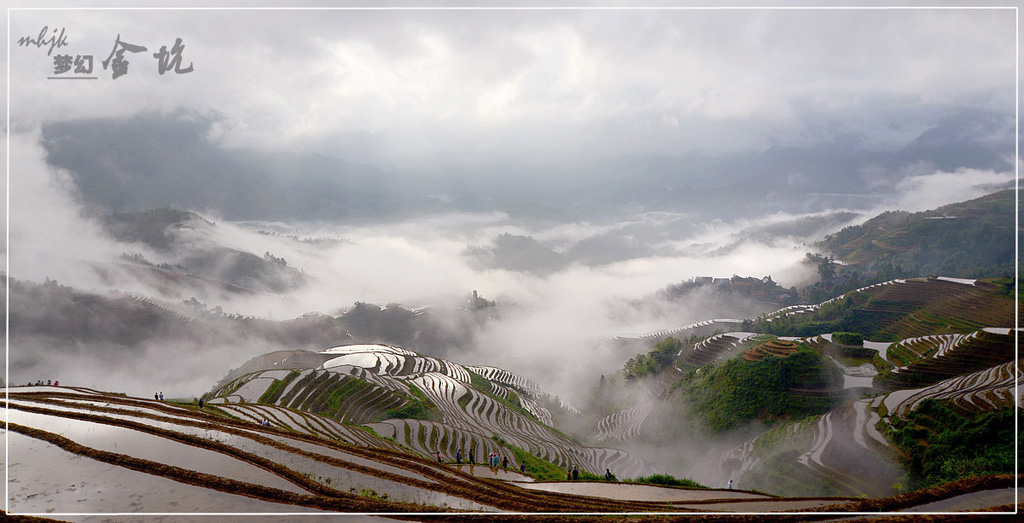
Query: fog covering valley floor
x=357, y=428
x=872, y=400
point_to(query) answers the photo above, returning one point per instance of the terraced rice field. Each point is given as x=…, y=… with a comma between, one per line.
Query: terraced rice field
x=181, y=444
x=792, y=310
x=954, y=349
x=713, y=348
x=947, y=307
x=363, y=384
x=778, y=347
x=173, y=458
x=840, y=452
x=985, y=390
x=707, y=326
x=509, y=379
x=306, y=423
x=922, y=307
x=625, y=424
x=930, y=359
x=846, y=446
x=122, y=455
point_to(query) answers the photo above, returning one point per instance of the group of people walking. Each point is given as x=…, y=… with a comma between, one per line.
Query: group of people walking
x=493, y=459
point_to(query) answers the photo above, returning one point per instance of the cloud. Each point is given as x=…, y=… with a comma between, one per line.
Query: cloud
x=448, y=89
x=512, y=95
x=49, y=235
x=546, y=321
x=929, y=191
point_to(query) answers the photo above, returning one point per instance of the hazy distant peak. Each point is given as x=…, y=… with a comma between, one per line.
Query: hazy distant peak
x=155, y=227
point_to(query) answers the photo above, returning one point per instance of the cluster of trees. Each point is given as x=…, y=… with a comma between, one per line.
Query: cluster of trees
x=655, y=361
x=155, y=227
x=737, y=287
x=477, y=302
x=728, y=394
x=837, y=279
x=847, y=338
x=393, y=324
x=274, y=259
x=426, y=332
x=940, y=445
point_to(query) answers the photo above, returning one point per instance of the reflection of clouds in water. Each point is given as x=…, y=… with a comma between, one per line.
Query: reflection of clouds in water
x=98, y=487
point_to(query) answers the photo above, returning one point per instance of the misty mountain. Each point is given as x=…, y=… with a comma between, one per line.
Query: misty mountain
x=609, y=248
x=50, y=320
x=638, y=240
x=517, y=253
x=804, y=227
x=156, y=228
x=435, y=331
x=842, y=173
x=526, y=254
x=178, y=235
x=967, y=239
x=976, y=140
x=168, y=161
x=54, y=320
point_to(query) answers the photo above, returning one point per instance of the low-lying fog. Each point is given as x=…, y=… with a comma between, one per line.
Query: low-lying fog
x=552, y=316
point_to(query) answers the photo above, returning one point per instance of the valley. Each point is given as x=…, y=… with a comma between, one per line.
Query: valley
x=574, y=261
x=379, y=428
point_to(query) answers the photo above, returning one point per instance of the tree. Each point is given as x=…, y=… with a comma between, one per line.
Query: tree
x=826, y=269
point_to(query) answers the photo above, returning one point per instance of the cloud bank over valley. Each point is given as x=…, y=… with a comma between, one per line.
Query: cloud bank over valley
x=569, y=165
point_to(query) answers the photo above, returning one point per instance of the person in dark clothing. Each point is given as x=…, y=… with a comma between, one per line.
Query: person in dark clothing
x=472, y=458
x=575, y=473
x=608, y=474
x=522, y=468
x=504, y=462
x=439, y=456
x=200, y=403
x=458, y=457
x=156, y=396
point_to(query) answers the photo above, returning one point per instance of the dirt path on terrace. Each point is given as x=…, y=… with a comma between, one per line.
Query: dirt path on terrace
x=484, y=471
x=941, y=493
x=891, y=247
x=770, y=505
x=969, y=502
x=634, y=492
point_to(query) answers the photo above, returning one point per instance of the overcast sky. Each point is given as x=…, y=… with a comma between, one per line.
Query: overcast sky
x=440, y=88
x=480, y=90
